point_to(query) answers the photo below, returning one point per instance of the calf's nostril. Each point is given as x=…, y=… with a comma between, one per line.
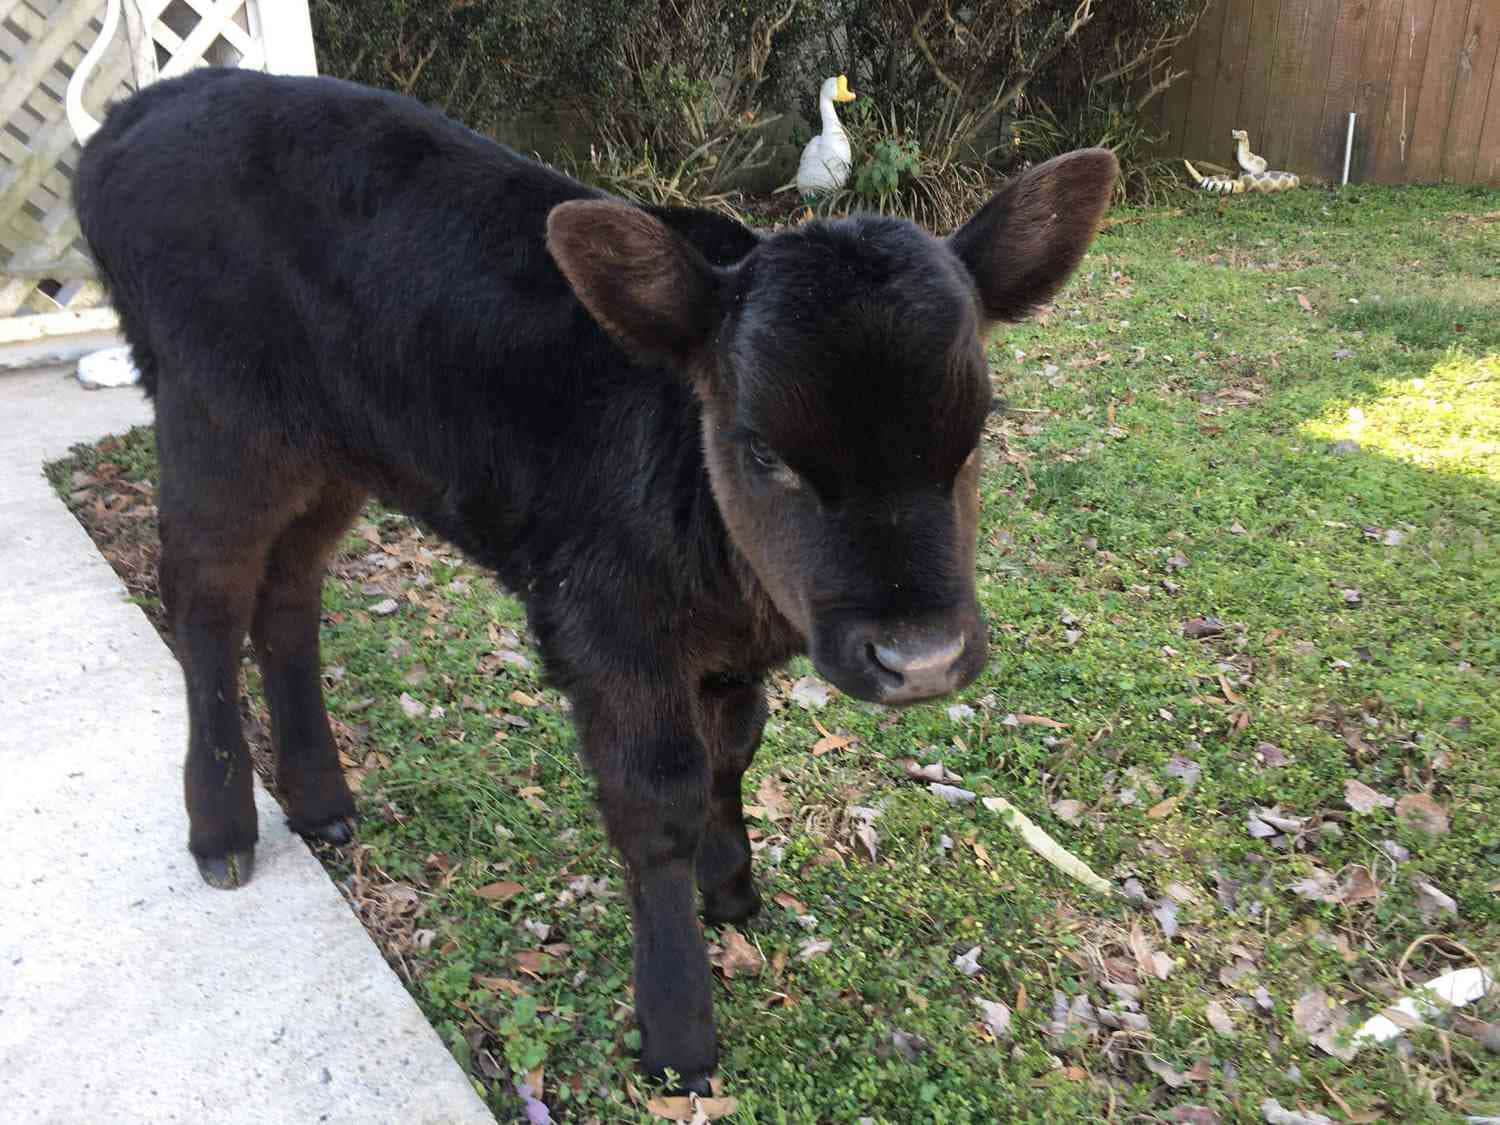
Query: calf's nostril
x=889, y=675
x=921, y=660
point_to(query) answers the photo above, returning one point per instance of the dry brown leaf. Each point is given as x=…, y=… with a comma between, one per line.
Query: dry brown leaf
x=499, y=892
x=1224, y=687
x=1163, y=809
x=1358, y=885
x=1041, y=721
x=1361, y=798
x=1193, y=1115
x=770, y=797
x=524, y=700
x=501, y=984
x=786, y=901
x=1321, y=1019
x=1421, y=812
x=829, y=743
x=737, y=956
x=535, y=962
x=692, y=1108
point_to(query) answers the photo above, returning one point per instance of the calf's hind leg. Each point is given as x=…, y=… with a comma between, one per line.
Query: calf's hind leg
x=212, y=558
x=285, y=634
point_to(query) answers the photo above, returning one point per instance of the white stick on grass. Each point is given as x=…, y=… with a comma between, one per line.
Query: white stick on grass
x=1046, y=847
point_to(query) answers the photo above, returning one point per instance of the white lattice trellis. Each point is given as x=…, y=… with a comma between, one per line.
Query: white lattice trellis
x=44, y=270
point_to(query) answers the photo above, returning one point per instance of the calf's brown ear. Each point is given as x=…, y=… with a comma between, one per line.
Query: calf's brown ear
x=1024, y=243
x=645, y=286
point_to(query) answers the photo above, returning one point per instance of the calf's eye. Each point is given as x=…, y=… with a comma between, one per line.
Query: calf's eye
x=763, y=453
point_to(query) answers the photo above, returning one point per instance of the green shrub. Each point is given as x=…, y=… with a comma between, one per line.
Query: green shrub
x=689, y=90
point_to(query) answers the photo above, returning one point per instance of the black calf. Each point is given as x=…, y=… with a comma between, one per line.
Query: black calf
x=691, y=450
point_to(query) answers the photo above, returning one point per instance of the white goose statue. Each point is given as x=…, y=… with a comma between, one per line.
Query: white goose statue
x=825, y=161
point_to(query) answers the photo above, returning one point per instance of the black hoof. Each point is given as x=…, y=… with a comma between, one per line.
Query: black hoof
x=731, y=905
x=227, y=871
x=339, y=830
x=699, y=1084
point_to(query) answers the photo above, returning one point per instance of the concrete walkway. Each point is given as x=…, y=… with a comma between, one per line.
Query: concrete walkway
x=129, y=991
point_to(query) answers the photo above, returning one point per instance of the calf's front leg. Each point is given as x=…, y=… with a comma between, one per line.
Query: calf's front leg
x=653, y=792
x=733, y=717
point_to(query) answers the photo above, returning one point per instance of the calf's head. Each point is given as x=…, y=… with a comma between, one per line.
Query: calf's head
x=844, y=387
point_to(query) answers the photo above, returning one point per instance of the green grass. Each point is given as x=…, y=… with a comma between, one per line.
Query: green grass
x=1172, y=452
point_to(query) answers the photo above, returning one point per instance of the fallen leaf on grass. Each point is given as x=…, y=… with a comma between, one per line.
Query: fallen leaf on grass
x=1218, y=1018
x=1166, y=1072
x=831, y=742
x=810, y=692
x=1067, y=811
x=1040, y=721
x=1432, y=902
x=1358, y=885
x=1322, y=1020
x=996, y=1017
x=692, y=1108
x=1163, y=809
x=787, y=902
x=968, y=963
x=1186, y=769
x=933, y=771
x=953, y=794
x=811, y=949
x=1274, y=1114
x=1197, y=628
x=411, y=707
x=1421, y=812
x=737, y=956
x=519, y=696
x=385, y=607
x=1361, y=798
x=535, y=962
x=771, y=799
x=499, y=892
x=1193, y=1115
x=501, y=984
x=1165, y=913
x=1304, y=302
x=1271, y=755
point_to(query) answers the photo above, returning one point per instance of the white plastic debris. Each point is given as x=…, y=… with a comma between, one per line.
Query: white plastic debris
x=1455, y=989
x=110, y=367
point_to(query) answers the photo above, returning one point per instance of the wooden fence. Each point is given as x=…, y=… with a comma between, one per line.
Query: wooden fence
x=1423, y=76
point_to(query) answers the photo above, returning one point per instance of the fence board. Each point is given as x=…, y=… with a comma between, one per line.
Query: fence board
x=1173, y=105
x=1377, y=57
x=1421, y=75
x=1478, y=58
x=1435, y=103
x=1287, y=57
x=1342, y=87
x=1255, y=93
x=1234, y=46
x=1205, y=77
x=1393, y=153
x=1306, y=135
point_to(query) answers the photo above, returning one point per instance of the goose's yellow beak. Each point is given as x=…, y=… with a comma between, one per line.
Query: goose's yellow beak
x=843, y=94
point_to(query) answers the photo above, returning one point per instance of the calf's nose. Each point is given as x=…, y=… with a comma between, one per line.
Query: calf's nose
x=918, y=667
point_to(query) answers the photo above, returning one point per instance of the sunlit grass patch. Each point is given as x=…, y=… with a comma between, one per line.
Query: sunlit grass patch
x=1448, y=418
